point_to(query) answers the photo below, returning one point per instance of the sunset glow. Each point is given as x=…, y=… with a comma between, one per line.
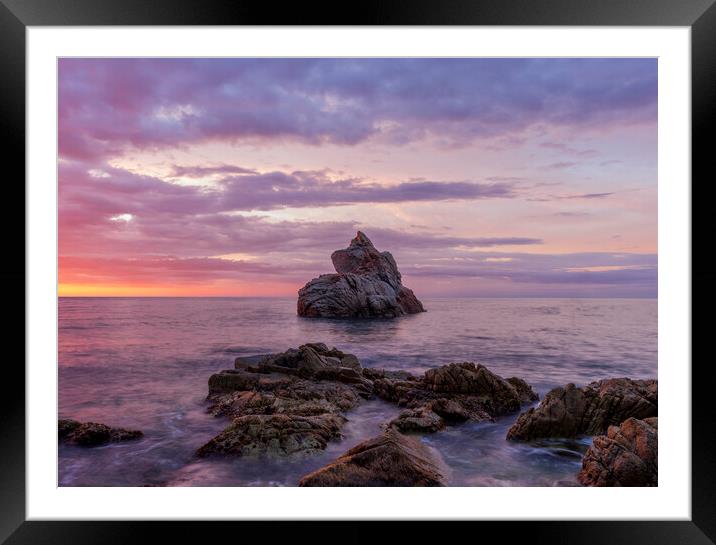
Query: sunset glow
x=239, y=177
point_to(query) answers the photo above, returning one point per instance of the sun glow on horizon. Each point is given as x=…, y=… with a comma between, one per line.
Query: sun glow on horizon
x=156, y=290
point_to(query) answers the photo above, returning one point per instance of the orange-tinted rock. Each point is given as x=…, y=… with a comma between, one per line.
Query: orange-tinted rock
x=627, y=455
x=391, y=459
x=572, y=411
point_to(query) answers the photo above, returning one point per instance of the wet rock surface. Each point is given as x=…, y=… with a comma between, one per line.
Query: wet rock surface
x=295, y=402
x=626, y=456
x=452, y=393
x=366, y=284
x=275, y=435
x=391, y=459
x=90, y=434
x=297, y=399
x=287, y=403
x=570, y=411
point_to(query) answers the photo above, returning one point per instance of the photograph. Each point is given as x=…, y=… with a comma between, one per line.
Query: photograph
x=357, y=272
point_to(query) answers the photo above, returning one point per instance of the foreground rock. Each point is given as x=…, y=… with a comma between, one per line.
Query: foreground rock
x=626, y=456
x=275, y=435
x=391, y=459
x=572, y=411
x=90, y=434
x=367, y=284
x=452, y=393
x=287, y=403
x=294, y=402
x=310, y=380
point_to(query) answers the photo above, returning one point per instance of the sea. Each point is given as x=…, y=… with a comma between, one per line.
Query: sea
x=143, y=363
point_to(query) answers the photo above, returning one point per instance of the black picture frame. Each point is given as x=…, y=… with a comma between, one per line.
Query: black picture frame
x=16, y=15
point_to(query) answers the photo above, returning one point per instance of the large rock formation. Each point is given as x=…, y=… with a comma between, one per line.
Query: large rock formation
x=367, y=283
x=572, y=411
x=626, y=456
x=391, y=459
x=90, y=434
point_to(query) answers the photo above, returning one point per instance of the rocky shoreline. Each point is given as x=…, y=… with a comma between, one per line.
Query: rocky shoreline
x=293, y=403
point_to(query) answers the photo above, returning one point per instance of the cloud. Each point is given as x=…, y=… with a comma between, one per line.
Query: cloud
x=299, y=189
x=568, y=214
x=168, y=268
x=301, y=259
x=390, y=238
x=589, y=196
x=120, y=192
x=127, y=214
x=201, y=172
x=605, y=269
x=564, y=148
x=109, y=105
x=559, y=165
x=117, y=225
x=504, y=179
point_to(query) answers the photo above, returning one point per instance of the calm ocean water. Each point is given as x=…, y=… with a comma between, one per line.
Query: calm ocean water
x=144, y=363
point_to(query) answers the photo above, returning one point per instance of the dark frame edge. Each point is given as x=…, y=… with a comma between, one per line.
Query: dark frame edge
x=12, y=274
x=703, y=113
x=699, y=14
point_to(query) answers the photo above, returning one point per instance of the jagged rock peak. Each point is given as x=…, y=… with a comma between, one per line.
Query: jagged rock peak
x=362, y=258
x=367, y=283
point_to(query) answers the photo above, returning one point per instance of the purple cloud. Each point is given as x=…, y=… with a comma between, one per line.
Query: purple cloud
x=200, y=172
x=107, y=105
x=299, y=189
x=589, y=196
x=113, y=191
x=116, y=225
x=635, y=272
x=559, y=165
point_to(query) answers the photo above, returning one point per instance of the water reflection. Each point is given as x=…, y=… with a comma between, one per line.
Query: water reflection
x=144, y=363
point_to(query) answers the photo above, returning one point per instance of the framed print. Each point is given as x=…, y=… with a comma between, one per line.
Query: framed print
x=423, y=265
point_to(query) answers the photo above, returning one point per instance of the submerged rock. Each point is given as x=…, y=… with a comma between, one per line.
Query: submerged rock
x=452, y=393
x=572, y=411
x=626, y=456
x=391, y=459
x=367, y=283
x=90, y=434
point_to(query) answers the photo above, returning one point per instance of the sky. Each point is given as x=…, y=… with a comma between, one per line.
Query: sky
x=238, y=177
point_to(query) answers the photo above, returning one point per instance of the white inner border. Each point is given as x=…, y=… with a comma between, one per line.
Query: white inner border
x=670, y=500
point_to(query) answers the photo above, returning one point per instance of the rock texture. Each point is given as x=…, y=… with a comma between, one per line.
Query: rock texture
x=572, y=411
x=285, y=404
x=391, y=459
x=90, y=434
x=626, y=456
x=452, y=393
x=367, y=284
x=293, y=402
x=275, y=435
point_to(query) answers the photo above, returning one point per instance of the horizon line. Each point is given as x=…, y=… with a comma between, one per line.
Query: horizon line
x=287, y=297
